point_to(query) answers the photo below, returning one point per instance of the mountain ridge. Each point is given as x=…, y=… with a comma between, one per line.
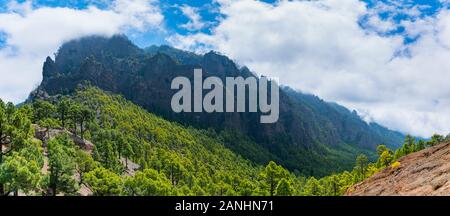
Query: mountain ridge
x=303, y=137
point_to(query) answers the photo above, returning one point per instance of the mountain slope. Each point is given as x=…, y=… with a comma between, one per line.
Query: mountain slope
x=195, y=162
x=96, y=143
x=423, y=173
x=307, y=138
x=344, y=122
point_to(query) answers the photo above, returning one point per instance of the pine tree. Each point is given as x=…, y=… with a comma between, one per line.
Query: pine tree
x=149, y=183
x=64, y=109
x=385, y=159
x=43, y=110
x=436, y=139
x=19, y=173
x=62, y=166
x=15, y=131
x=85, y=115
x=284, y=188
x=361, y=166
x=335, y=185
x=85, y=163
x=104, y=182
x=409, y=144
x=271, y=175
x=420, y=145
x=312, y=187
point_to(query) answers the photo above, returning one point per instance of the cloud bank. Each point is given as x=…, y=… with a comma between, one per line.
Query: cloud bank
x=322, y=47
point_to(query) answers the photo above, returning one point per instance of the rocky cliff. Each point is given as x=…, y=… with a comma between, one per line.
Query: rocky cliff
x=423, y=173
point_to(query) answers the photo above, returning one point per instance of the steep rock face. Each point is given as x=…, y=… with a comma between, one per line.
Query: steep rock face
x=308, y=129
x=342, y=123
x=423, y=173
x=49, y=68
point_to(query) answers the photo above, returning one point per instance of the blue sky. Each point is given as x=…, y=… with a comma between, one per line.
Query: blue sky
x=387, y=59
x=170, y=9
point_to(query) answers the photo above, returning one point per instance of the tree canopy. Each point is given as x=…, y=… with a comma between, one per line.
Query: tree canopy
x=138, y=153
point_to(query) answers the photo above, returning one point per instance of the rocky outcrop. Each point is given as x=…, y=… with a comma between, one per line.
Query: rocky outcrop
x=424, y=173
x=43, y=135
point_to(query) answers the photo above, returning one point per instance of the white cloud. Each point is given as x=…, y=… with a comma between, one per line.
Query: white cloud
x=34, y=33
x=195, y=20
x=375, y=23
x=20, y=8
x=139, y=14
x=319, y=47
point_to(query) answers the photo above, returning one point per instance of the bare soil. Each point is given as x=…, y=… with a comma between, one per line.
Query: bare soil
x=423, y=173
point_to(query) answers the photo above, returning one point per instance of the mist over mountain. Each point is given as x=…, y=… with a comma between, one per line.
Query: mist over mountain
x=312, y=137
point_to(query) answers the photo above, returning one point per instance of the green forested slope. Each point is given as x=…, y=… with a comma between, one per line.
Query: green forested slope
x=135, y=152
x=186, y=160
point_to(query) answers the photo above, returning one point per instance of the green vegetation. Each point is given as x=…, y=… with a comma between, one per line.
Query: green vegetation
x=62, y=166
x=20, y=156
x=137, y=153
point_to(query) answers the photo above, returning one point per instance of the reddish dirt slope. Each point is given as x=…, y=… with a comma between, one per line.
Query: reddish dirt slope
x=426, y=172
